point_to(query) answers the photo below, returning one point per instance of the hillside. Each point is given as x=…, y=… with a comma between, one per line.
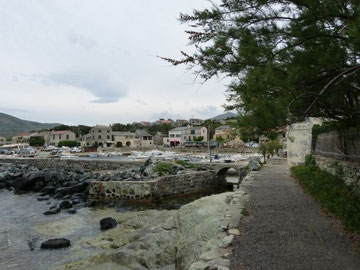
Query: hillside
x=224, y=116
x=10, y=125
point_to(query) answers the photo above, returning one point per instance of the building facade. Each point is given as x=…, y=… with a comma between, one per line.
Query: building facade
x=2, y=141
x=143, y=139
x=178, y=136
x=101, y=136
x=123, y=139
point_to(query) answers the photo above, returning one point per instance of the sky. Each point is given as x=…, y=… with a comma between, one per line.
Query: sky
x=94, y=62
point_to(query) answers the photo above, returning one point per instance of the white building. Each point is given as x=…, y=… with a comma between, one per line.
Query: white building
x=178, y=136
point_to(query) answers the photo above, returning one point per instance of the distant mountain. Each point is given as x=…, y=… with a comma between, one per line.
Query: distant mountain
x=224, y=116
x=10, y=125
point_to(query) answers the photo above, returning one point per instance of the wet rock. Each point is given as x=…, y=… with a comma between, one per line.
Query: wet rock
x=107, y=223
x=20, y=184
x=65, y=205
x=52, y=211
x=55, y=243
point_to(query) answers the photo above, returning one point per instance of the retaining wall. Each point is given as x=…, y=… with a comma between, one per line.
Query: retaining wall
x=87, y=165
x=163, y=187
x=348, y=171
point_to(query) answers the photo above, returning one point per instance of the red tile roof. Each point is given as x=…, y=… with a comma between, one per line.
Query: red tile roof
x=23, y=134
x=60, y=132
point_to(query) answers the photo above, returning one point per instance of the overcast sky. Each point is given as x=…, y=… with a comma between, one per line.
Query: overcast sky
x=94, y=62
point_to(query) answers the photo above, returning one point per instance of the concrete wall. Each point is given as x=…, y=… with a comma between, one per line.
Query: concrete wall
x=163, y=187
x=87, y=165
x=299, y=141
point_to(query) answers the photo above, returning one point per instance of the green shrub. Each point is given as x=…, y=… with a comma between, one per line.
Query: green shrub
x=339, y=170
x=331, y=193
x=185, y=164
x=68, y=143
x=36, y=141
x=163, y=168
x=310, y=160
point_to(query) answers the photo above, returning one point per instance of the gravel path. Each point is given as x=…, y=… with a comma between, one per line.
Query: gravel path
x=286, y=230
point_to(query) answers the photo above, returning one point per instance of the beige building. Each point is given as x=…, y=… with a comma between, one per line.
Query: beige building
x=61, y=135
x=2, y=141
x=123, y=139
x=101, y=135
x=224, y=132
x=143, y=139
x=23, y=137
x=54, y=137
x=195, y=121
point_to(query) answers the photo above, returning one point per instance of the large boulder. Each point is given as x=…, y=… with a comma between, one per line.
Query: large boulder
x=55, y=243
x=21, y=185
x=48, y=190
x=107, y=223
x=254, y=165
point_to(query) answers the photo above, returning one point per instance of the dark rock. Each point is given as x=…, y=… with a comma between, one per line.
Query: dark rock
x=65, y=205
x=52, y=211
x=21, y=184
x=38, y=186
x=35, y=177
x=48, y=190
x=2, y=185
x=77, y=188
x=55, y=243
x=71, y=211
x=107, y=223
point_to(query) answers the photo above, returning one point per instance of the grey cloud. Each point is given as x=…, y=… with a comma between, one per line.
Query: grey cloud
x=106, y=89
x=81, y=40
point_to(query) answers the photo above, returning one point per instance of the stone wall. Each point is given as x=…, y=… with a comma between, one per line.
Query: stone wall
x=163, y=187
x=87, y=165
x=348, y=171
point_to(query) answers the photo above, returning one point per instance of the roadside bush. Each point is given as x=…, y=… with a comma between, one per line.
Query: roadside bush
x=163, y=168
x=331, y=193
x=68, y=143
x=310, y=160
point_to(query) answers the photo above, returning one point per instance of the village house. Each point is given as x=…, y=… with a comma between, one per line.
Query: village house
x=54, y=137
x=123, y=138
x=101, y=135
x=181, y=122
x=224, y=132
x=23, y=137
x=2, y=141
x=164, y=121
x=196, y=122
x=178, y=136
x=143, y=139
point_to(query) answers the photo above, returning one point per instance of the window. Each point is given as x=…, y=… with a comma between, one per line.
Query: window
x=108, y=137
x=150, y=138
x=192, y=132
x=53, y=137
x=67, y=136
x=145, y=138
x=99, y=137
x=108, y=131
x=59, y=136
x=171, y=135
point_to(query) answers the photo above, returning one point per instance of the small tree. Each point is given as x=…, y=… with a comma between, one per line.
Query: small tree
x=36, y=141
x=263, y=149
x=220, y=139
x=198, y=138
x=68, y=143
x=274, y=146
